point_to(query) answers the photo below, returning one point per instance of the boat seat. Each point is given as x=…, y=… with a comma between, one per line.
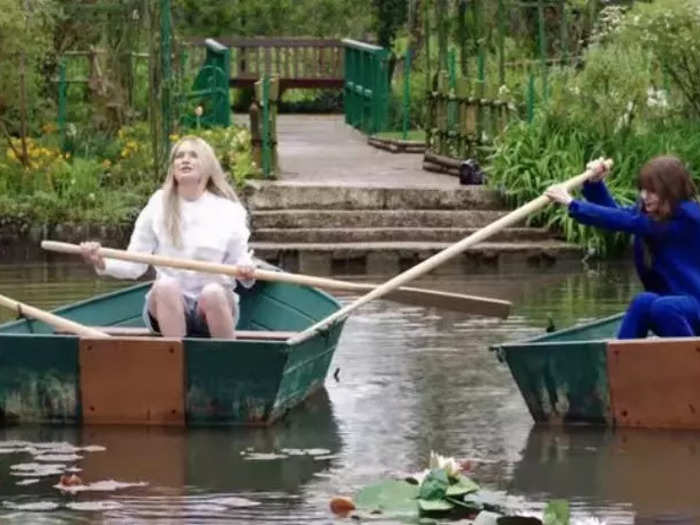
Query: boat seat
x=138, y=331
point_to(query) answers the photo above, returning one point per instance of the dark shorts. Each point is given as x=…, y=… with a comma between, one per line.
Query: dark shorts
x=195, y=323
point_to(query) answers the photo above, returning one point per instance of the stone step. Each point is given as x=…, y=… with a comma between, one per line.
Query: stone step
x=393, y=257
x=336, y=235
x=312, y=218
x=289, y=195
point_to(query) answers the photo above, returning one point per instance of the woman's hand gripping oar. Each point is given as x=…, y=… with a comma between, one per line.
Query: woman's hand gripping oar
x=436, y=260
x=57, y=322
x=416, y=296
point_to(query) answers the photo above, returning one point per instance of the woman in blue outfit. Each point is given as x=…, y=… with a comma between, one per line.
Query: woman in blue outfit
x=666, y=228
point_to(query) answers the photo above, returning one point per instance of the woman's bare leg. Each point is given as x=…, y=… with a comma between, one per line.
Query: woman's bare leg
x=166, y=304
x=216, y=305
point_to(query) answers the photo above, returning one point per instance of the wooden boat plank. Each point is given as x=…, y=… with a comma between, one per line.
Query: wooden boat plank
x=138, y=331
x=253, y=380
x=38, y=381
x=654, y=382
x=232, y=387
x=564, y=382
x=132, y=381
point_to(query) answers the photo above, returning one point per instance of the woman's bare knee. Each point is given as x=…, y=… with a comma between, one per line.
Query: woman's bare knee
x=214, y=296
x=164, y=291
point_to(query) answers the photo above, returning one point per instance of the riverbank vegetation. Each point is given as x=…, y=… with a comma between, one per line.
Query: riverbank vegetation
x=106, y=180
x=636, y=95
x=621, y=82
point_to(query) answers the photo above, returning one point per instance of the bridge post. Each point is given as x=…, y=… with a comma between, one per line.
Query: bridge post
x=366, y=86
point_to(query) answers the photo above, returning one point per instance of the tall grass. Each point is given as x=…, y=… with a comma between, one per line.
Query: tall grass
x=530, y=157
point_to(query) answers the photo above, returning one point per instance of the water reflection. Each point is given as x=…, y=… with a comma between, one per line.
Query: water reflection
x=411, y=380
x=177, y=473
x=651, y=474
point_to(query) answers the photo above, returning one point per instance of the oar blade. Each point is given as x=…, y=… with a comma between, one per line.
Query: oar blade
x=469, y=304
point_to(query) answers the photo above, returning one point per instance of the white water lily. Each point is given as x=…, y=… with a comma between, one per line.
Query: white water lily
x=450, y=465
x=418, y=477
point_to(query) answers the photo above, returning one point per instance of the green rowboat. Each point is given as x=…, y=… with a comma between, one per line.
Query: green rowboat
x=134, y=378
x=584, y=375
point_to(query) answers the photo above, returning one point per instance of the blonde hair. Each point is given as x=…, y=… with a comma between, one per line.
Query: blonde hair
x=210, y=167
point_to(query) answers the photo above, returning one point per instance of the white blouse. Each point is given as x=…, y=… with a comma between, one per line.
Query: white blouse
x=213, y=229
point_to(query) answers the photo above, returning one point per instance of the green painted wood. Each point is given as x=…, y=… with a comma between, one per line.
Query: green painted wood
x=120, y=308
x=306, y=369
x=605, y=328
x=562, y=382
x=227, y=382
x=283, y=307
x=563, y=376
x=366, y=86
x=232, y=383
x=39, y=379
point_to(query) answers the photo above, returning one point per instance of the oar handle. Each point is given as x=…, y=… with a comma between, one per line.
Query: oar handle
x=458, y=302
x=432, y=262
x=202, y=266
x=54, y=320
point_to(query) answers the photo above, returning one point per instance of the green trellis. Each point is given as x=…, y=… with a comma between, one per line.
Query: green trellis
x=153, y=15
x=464, y=112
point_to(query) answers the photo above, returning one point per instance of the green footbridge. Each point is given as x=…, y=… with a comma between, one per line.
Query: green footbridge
x=360, y=69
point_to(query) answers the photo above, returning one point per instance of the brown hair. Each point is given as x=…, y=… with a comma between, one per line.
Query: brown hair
x=666, y=176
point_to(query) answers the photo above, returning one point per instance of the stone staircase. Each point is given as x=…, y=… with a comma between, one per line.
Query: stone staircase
x=321, y=229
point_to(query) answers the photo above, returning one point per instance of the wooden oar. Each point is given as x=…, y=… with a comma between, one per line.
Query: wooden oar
x=432, y=262
x=57, y=322
x=416, y=296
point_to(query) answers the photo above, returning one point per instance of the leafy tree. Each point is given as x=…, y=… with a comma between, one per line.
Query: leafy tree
x=25, y=29
x=313, y=18
x=670, y=31
x=390, y=15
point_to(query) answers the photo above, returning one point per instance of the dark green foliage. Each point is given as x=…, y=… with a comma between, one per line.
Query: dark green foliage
x=389, y=16
x=619, y=105
x=285, y=18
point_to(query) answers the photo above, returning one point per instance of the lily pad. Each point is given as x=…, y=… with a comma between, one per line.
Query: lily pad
x=557, y=513
x=518, y=520
x=487, y=518
x=434, y=505
x=391, y=497
x=464, y=485
x=434, y=486
x=487, y=500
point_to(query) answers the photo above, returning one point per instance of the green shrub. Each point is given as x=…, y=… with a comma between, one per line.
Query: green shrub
x=615, y=106
x=530, y=157
x=669, y=30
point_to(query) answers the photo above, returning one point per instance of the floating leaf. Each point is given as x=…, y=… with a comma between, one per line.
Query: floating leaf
x=434, y=505
x=434, y=485
x=464, y=485
x=556, y=512
x=391, y=497
x=341, y=505
x=486, y=517
x=518, y=520
x=486, y=500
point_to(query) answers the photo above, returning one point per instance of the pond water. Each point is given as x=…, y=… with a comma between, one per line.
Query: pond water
x=410, y=380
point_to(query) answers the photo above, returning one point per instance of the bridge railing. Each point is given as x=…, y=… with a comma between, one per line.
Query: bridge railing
x=298, y=62
x=366, y=86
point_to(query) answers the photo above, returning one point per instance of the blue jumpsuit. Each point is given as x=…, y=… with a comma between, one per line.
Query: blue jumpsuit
x=670, y=306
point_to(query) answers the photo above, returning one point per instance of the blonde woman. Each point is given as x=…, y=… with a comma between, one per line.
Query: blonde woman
x=195, y=215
